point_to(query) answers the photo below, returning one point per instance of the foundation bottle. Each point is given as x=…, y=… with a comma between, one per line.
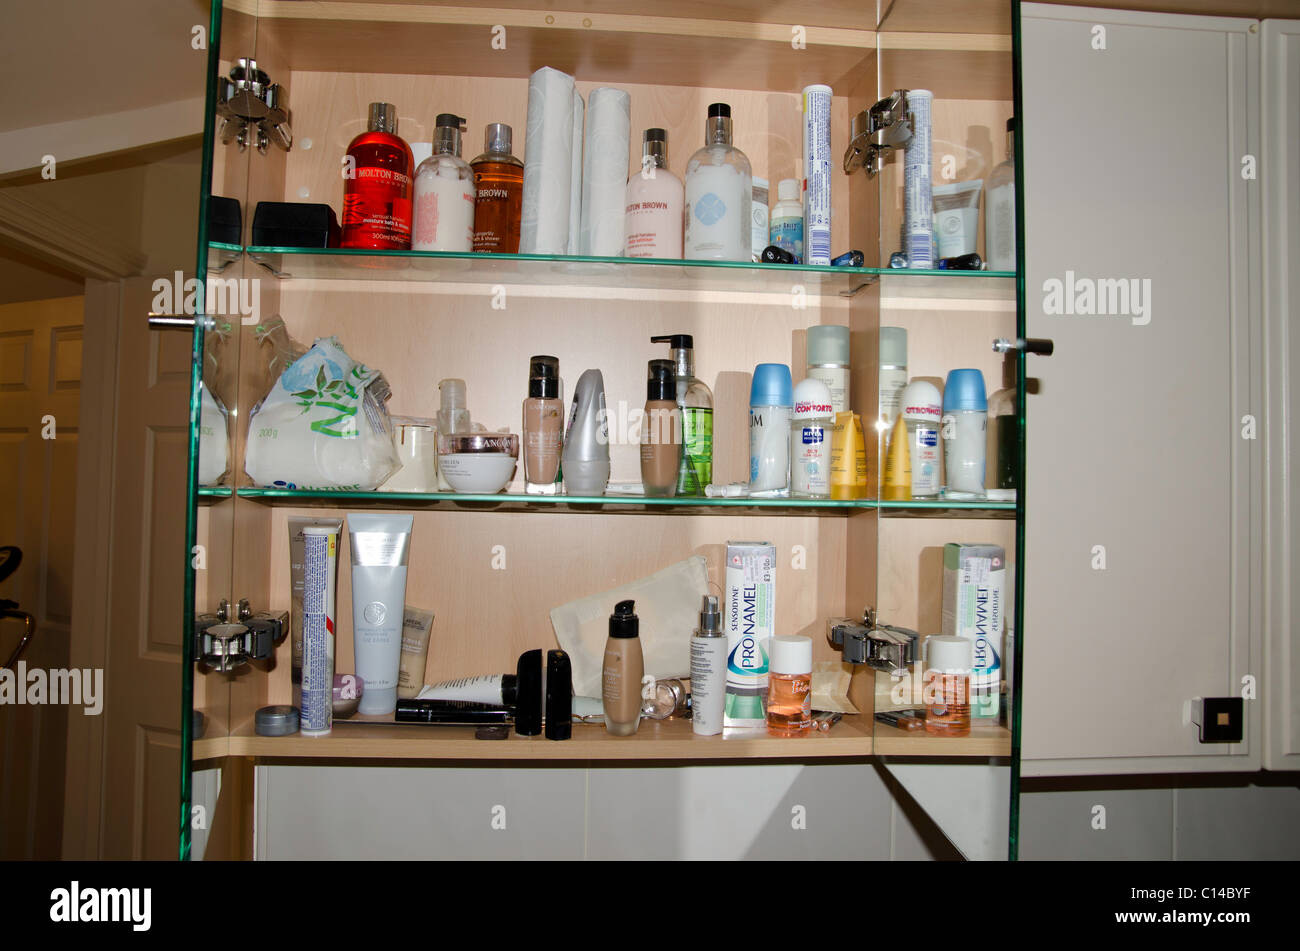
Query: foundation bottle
x=498, y=192
x=620, y=679
x=543, y=427
x=661, y=431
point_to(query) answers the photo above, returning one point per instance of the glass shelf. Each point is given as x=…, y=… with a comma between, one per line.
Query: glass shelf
x=933, y=508
x=558, y=270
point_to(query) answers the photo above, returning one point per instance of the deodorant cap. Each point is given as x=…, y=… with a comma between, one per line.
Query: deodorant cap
x=812, y=400
x=828, y=343
x=787, y=189
x=624, y=622
x=948, y=652
x=772, y=386
x=893, y=346
x=964, y=390
x=921, y=401
x=790, y=655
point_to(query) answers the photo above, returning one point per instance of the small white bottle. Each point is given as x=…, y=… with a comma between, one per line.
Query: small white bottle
x=719, y=192
x=444, y=193
x=786, y=228
x=708, y=670
x=922, y=411
x=965, y=424
x=828, y=360
x=810, y=440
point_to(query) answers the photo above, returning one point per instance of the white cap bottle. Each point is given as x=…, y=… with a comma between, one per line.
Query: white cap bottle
x=922, y=411
x=810, y=442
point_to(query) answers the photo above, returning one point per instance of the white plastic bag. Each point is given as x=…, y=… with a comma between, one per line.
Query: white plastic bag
x=323, y=425
x=213, y=449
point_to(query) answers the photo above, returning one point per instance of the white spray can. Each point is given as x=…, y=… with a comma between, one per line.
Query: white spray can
x=708, y=670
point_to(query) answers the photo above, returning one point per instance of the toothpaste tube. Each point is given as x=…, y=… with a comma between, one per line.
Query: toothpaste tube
x=749, y=617
x=319, y=568
x=918, y=200
x=817, y=172
x=974, y=607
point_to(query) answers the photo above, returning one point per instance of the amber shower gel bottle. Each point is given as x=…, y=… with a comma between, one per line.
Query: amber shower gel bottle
x=377, y=186
x=620, y=676
x=498, y=192
x=543, y=427
x=661, y=431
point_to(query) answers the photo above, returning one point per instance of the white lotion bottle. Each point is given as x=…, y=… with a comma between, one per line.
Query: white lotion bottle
x=708, y=670
x=719, y=193
x=965, y=425
x=444, y=193
x=652, y=220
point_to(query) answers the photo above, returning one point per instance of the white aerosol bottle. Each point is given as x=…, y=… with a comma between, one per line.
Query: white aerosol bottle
x=708, y=670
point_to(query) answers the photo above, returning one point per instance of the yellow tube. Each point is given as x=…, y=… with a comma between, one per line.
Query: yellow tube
x=848, y=458
x=898, y=464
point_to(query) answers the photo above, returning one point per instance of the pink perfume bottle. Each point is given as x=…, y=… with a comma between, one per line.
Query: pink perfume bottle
x=653, y=222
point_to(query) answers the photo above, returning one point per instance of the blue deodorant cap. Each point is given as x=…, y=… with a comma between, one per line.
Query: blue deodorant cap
x=964, y=390
x=772, y=386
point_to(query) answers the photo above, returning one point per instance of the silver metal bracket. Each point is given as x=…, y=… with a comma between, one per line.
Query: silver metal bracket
x=877, y=131
x=228, y=639
x=253, y=110
x=880, y=646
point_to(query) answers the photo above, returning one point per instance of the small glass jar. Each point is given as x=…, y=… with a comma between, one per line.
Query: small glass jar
x=948, y=661
x=789, y=686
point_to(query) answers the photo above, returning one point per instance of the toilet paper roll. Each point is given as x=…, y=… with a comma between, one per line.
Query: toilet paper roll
x=548, y=163
x=604, y=172
x=575, y=177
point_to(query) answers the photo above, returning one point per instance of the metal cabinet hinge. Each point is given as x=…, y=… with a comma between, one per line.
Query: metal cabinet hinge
x=887, y=125
x=881, y=646
x=253, y=110
x=228, y=638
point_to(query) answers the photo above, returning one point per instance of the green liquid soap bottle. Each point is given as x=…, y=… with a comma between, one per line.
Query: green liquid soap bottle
x=696, y=402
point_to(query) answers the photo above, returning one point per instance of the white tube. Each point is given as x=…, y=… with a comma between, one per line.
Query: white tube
x=486, y=688
x=380, y=546
x=918, y=207
x=320, y=562
x=956, y=217
x=817, y=175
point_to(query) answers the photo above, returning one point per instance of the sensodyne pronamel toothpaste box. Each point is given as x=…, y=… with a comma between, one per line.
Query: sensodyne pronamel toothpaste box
x=974, y=607
x=749, y=617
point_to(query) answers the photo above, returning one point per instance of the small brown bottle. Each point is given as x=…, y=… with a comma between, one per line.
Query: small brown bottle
x=543, y=427
x=498, y=193
x=661, y=431
x=621, y=672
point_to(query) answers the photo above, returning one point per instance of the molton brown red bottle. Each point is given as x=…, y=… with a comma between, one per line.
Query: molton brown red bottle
x=377, y=186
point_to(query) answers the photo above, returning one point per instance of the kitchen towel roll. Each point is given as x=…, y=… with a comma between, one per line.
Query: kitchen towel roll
x=575, y=176
x=548, y=158
x=604, y=172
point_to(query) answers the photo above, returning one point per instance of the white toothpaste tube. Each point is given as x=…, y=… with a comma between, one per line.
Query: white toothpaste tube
x=918, y=207
x=749, y=619
x=817, y=172
x=319, y=570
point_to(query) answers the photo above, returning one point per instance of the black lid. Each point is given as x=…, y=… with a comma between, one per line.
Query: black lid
x=719, y=109
x=662, y=383
x=559, y=696
x=528, y=685
x=510, y=689
x=676, y=341
x=544, y=377
x=655, y=135
x=446, y=120
x=623, y=622
x=1011, y=124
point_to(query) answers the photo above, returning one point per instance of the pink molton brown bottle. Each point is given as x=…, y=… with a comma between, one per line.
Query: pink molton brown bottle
x=653, y=218
x=377, y=186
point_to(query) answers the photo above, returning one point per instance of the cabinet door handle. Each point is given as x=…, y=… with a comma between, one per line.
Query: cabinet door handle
x=1038, y=345
x=178, y=322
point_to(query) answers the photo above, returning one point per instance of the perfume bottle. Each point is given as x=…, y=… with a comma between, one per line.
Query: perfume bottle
x=653, y=218
x=543, y=427
x=695, y=400
x=377, y=186
x=498, y=192
x=948, y=661
x=444, y=193
x=719, y=192
x=789, y=687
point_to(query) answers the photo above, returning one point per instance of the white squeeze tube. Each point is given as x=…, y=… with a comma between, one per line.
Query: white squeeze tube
x=817, y=169
x=380, y=548
x=320, y=569
x=918, y=201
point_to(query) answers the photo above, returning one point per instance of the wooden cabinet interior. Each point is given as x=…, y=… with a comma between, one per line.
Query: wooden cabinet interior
x=435, y=58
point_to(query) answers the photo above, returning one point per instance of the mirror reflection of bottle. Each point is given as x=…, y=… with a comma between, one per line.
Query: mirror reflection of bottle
x=965, y=421
x=921, y=409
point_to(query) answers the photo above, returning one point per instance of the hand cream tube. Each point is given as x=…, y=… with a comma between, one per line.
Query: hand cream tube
x=380, y=547
x=320, y=562
x=956, y=217
x=417, y=624
x=898, y=464
x=486, y=688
